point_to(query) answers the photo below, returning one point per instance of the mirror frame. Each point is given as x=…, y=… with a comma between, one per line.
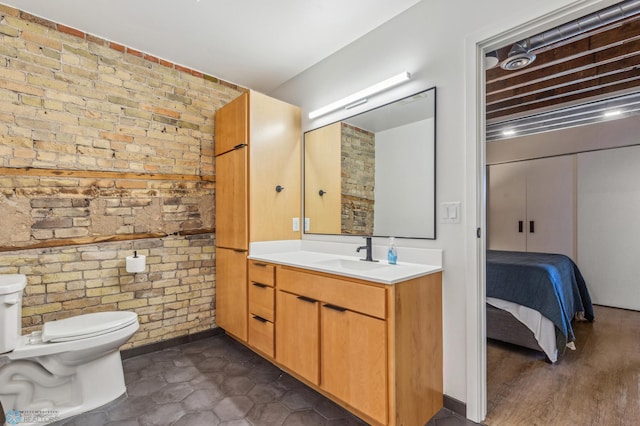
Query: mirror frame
x=345, y=119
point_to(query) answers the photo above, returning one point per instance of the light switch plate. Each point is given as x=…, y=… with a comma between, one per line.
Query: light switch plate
x=295, y=224
x=306, y=224
x=450, y=212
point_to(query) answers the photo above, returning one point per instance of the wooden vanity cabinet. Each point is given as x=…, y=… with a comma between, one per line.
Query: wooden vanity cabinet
x=257, y=194
x=374, y=349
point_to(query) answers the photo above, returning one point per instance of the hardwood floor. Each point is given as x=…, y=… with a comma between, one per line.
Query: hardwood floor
x=597, y=384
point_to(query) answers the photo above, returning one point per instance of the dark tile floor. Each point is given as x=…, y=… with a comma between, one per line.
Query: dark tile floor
x=217, y=381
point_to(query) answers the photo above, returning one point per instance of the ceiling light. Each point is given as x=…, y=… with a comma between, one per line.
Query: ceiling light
x=519, y=57
x=357, y=97
x=509, y=132
x=612, y=113
x=491, y=60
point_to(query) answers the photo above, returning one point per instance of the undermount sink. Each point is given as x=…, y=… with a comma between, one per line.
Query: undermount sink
x=356, y=265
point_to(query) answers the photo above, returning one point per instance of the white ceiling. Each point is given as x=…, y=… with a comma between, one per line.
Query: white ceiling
x=258, y=44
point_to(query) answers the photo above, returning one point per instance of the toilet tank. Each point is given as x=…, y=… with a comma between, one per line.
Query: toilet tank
x=11, y=287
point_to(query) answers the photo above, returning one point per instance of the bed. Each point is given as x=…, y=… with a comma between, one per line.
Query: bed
x=532, y=299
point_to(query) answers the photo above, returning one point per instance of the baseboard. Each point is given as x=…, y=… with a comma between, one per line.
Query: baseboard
x=455, y=405
x=181, y=340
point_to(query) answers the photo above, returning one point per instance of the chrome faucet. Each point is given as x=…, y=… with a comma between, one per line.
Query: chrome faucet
x=369, y=249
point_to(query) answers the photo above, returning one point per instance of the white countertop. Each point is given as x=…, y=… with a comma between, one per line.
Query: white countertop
x=330, y=258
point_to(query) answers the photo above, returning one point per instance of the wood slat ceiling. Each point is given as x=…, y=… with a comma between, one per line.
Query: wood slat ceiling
x=598, y=64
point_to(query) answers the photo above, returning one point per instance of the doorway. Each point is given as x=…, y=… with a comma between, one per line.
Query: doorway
x=477, y=47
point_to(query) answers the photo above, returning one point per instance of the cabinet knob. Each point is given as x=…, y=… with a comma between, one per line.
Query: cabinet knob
x=321, y=192
x=279, y=188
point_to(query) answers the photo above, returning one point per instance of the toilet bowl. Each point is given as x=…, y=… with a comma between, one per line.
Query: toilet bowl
x=72, y=366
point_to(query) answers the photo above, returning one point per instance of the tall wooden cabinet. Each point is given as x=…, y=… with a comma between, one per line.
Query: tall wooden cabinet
x=532, y=206
x=257, y=149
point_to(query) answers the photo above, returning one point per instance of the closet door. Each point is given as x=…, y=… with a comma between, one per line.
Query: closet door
x=608, y=225
x=507, y=207
x=551, y=201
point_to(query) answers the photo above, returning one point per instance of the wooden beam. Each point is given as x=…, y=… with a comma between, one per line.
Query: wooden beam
x=578, y=63
x=562, y=100
x=96, y=174
x=559, y=93
x=592, y=42
x=591, y=65
x=623, y=65
x=105, y=239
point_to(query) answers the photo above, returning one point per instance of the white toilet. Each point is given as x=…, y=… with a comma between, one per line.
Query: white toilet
x=73, y=366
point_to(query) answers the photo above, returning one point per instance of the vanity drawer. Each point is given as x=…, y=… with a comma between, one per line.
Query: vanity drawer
x=261, y=334
x=355, y=297
x=260, y=272
x=261, y=300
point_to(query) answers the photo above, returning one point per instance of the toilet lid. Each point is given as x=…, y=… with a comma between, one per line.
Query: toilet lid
x=86, y=325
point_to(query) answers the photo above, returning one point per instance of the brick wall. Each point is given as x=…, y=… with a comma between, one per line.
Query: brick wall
x=173, y=297
x=358, y=158
x=103, y=150
x=41, y=209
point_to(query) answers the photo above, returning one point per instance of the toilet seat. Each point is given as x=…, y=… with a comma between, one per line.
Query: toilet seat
x=86, y=325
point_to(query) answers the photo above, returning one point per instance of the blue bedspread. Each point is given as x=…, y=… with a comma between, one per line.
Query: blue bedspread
x=549, y=283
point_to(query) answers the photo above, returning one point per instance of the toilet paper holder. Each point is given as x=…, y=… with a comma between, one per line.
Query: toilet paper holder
x=135, y=263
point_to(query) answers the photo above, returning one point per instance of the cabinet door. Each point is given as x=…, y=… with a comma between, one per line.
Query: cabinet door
x=231, y=291
x=232, y=125
x=551, y=205
x=507, y=207
x=275, y=162
x=354, y=360
x=322, y=173
x=297, y=334
x=231, y=200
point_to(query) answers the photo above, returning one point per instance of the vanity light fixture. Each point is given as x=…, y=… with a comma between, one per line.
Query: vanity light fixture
x=360, y=97
x=356, y=103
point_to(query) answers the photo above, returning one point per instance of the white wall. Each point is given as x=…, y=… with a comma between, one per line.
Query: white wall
x=609, y=225
x=435, y=41
x=403, y=180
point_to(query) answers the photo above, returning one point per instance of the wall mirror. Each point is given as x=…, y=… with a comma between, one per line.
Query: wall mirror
x=374, y=173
